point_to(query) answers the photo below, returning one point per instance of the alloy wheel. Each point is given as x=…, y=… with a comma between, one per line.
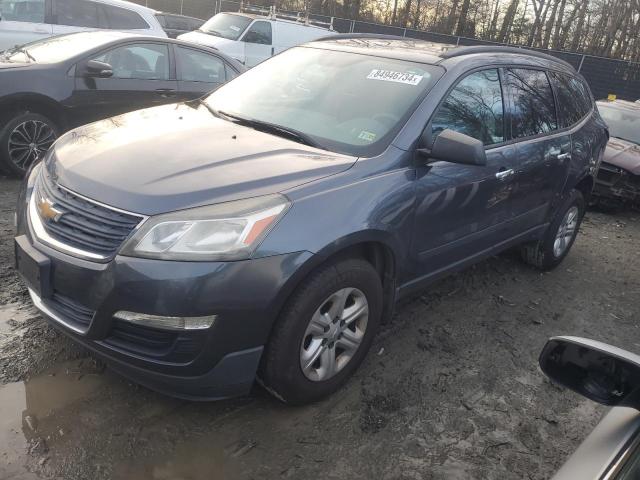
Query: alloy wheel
x=28, y=141
x=566, y=231
x=334, y=334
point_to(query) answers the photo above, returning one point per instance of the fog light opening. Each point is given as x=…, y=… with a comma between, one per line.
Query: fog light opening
x=166, y=323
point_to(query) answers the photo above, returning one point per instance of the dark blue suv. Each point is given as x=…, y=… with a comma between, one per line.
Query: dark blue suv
x=268, y=229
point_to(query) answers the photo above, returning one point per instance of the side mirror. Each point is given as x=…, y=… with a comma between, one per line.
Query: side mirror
x=456, y=147
x=595, y=370
x=98, y=69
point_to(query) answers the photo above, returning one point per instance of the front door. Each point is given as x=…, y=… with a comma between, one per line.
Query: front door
x=141, y=78
x=463, y=210
x=258, y=43
x=543, y=152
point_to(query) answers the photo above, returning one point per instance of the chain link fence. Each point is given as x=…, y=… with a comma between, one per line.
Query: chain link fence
x=604, y=75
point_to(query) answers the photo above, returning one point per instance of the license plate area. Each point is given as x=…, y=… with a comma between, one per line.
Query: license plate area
x=33, y=267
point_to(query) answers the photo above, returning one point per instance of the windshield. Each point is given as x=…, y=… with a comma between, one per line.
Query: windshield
x=624, y=124
x=344, y=102
x=226, y=25
x=57, y=49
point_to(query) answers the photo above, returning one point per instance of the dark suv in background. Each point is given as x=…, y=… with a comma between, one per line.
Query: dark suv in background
x=269, y=228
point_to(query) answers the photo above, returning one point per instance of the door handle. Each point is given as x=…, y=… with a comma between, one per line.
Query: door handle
x=564, y=156
x=504, y=174
x=166, y=92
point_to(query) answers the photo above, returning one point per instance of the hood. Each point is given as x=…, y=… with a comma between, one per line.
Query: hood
x=623, y=154
x=180, y=156
x=207, y=39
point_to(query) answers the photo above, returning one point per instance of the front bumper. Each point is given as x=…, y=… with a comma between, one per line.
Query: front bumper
x=213, y=363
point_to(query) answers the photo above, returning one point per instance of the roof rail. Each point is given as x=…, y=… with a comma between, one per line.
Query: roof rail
x=273, y=14
x=355, y=36
x=457, y=52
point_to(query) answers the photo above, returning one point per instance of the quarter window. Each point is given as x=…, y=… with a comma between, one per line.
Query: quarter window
x=31, y=11
x=199, y=67
x=574, y=100
x=77, y=13
x=534, y=109
x=259, y=32
x=123, y=19
x=474, y=107
x=140, y=61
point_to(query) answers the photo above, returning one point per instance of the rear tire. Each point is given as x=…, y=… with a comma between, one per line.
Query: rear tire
x=548, y=253
x=328, y=323
x=24, y=138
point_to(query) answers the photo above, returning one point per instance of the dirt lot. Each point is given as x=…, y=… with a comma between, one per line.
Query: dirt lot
x=450, y=390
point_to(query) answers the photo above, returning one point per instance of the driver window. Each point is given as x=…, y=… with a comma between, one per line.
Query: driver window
x=259, y=32
x=474, y=107
x=139, y=61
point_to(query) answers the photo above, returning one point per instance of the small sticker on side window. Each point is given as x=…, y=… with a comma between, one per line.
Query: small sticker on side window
x=391, y=76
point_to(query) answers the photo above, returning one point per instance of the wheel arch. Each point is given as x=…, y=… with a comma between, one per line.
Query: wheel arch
x=35, y=103
x=376, y=247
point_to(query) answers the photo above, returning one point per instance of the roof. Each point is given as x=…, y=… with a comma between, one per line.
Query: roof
x=129, y=5
x=277, y=18
x=413, y=49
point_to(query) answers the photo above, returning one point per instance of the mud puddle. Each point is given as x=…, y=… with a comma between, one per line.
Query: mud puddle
x=37, y=413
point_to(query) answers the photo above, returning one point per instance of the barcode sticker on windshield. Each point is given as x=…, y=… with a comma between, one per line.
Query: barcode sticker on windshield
x=234, y=28
x=398, y=77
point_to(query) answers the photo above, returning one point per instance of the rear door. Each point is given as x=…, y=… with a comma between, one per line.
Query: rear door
x=543, y=150
x=24, y=21
x=258, y=42
x=574, y=104
x=71, y=16
x=463, y=210
x=198, y=72
x=142, y=77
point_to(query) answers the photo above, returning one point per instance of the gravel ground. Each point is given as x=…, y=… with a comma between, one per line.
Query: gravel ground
x=451, y=388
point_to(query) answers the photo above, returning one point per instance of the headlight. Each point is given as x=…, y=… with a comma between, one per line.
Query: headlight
x=227, y=231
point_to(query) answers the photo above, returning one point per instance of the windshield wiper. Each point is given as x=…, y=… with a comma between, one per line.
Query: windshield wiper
x=268, y=128
x=215, y=33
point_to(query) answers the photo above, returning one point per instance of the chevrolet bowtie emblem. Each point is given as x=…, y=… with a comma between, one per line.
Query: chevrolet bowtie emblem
x=48, y=211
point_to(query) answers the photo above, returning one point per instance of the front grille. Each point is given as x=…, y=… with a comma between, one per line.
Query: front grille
x=84, y=225
x=70, y=310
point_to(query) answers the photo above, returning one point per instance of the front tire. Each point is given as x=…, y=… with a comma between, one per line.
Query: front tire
x=548, y=253
x=323, y=333
x=24, y=138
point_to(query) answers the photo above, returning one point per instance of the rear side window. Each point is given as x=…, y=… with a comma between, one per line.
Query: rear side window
x=534, y=110
x=259, y=32
x=31, y=11
x=574, y=101
x=77, y=13
x=199, y=67
x=474, y=107
x=179, y=23
x=123, y=19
